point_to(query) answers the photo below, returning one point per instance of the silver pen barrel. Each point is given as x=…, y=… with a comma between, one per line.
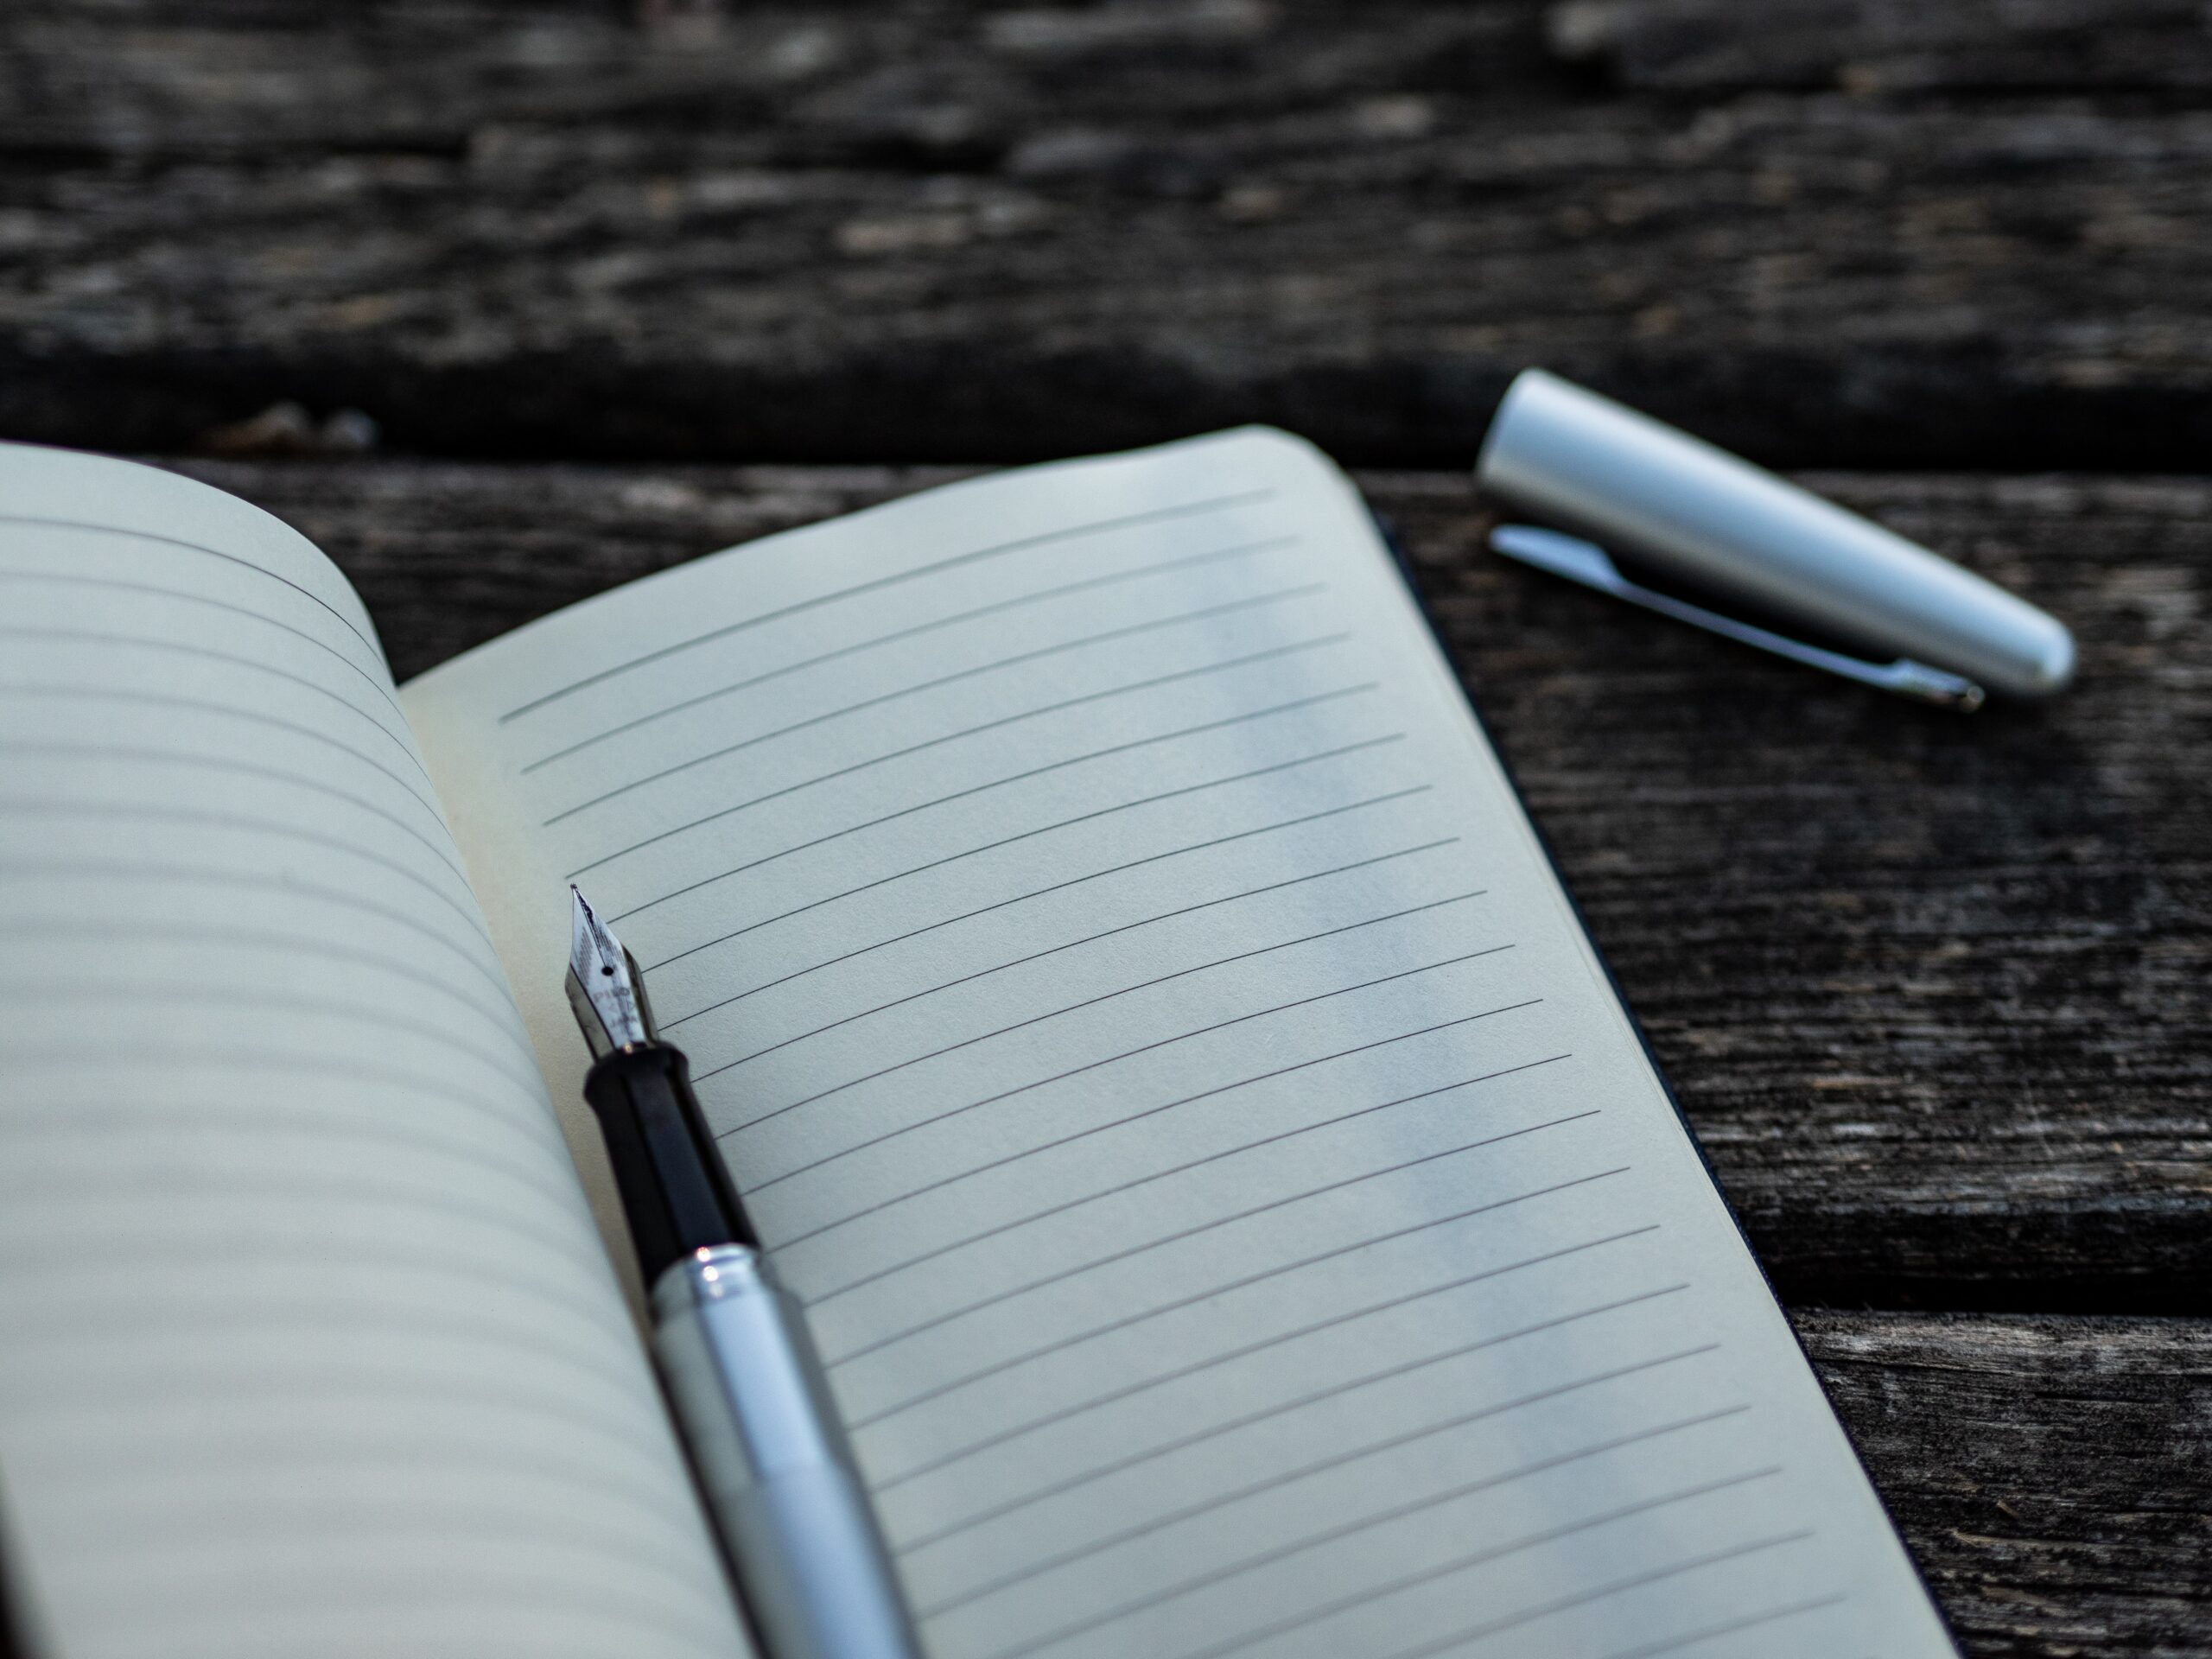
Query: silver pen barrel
x=773, y=1461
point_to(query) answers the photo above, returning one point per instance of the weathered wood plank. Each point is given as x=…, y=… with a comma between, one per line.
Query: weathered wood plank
x=1873, y=46
x=930, y=231
x=2051, y=1474
x=1931, y=988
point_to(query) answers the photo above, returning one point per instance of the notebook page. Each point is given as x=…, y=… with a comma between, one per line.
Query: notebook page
x=309, y=1345
x=1237, y=1215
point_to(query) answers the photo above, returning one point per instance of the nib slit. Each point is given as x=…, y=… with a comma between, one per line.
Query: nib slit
x=604, y=990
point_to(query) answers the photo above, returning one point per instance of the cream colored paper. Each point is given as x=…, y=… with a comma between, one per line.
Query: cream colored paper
x=309, y=1345
x=1237, y=1214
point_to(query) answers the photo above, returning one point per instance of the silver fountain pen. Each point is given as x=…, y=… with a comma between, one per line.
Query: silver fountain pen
x=733, y=1349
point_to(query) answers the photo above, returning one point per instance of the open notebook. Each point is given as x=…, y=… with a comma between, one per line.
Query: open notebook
x=1237, y=1213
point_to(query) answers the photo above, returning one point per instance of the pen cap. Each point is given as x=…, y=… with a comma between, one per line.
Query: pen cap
x=1589, y=465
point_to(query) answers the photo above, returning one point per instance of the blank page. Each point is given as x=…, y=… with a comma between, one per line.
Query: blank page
x=310, y=1346
x=1237, y=1212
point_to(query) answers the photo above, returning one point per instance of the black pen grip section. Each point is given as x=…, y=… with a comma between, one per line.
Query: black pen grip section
x=676, y=1190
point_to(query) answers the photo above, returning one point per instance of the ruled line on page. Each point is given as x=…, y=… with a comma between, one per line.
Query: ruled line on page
x=1022, y=898
x=1121, y=991
x=63, y=927
x=1482, y=1557
x=350, y=1136
x=1404, y=1510
x=1284, y=1477
x=1055, y=886
x=164, y=700
x=601, y=1474
x=172, y=1055
x=877, y=584
x=250, y=1124
x=1199, y=1229
x=1675, y=1645
x=105, y=868
x=74, y=579
x=1201, y=671
x=237, y=1000
x=89, y=636
x=1150, y=1111
x=917, y=631
x=1073, y=944
x=1130, y=1054
x=290, y=780
x=322, y=1188
x=1245, y=718
x=58, y=927
x=1122, y=1465
x=266, y=1531
x=325, y=1186
x=525, y=1387
x=1163, y=1308
x=483, y=1271
x=1119, y=1188
x=125, y=814
x=585, y=1361
x=1583, y=1598
x=196, y=547
x=341, y=1133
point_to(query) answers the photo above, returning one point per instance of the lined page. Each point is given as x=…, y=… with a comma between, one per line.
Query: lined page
x=309, y=1345
x=1237, y=1215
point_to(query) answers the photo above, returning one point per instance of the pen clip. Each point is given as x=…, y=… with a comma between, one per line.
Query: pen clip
x=1589, y=564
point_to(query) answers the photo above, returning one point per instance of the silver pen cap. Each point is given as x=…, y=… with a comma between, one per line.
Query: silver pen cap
x=1588, y=464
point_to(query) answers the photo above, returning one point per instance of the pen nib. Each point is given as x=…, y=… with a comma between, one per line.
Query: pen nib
x=604, y=987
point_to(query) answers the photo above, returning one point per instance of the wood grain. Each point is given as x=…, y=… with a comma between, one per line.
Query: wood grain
x=1828, y=233
x=1868, y=46
x=2050, y=1473
x=1930, y=987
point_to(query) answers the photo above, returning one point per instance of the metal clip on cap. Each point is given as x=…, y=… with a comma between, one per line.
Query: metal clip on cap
x=1587, y=562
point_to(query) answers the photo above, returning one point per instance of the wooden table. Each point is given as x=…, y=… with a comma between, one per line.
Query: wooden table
x=1931, y=988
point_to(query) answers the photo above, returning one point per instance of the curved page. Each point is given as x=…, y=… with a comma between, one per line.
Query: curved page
x=309, y=1345
x=1236, y=1213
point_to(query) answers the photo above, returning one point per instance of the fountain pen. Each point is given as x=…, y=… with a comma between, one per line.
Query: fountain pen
x=741, y=1372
